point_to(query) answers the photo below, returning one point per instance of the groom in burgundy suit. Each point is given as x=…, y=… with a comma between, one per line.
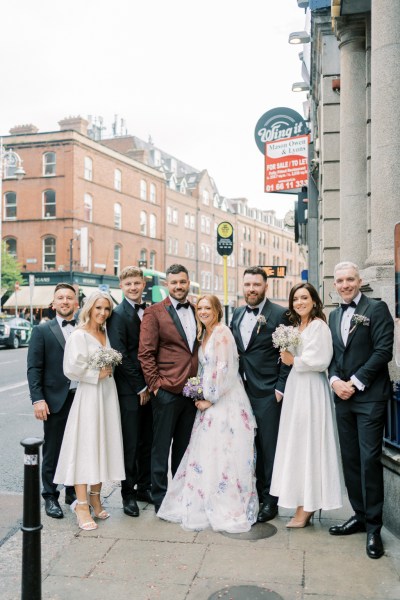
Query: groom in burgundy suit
x=168, y=356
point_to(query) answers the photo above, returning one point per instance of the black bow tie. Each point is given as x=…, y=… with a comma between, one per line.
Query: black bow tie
x=182, y=305
x=139, y=306
x=255, y=311
x=346, y=306
x=71, y=322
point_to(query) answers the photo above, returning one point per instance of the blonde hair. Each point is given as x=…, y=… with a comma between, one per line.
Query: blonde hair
x=216, y=309
x=84, y=315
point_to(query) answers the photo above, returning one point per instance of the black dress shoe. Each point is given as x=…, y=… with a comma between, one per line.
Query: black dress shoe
x=144, y=496
x=70, y=498
x=267, y=513
x=130, y=507
x=374, y=545
x=353, y=525
x=53, y=508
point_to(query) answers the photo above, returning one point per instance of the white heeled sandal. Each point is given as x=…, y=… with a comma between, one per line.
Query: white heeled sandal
x=88, y=525
x=103, y=514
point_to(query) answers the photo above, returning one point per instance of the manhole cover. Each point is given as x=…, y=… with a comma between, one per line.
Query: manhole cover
x=245, y=592
x=259, y=531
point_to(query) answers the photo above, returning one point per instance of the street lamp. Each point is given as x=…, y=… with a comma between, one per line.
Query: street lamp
x=10, y=168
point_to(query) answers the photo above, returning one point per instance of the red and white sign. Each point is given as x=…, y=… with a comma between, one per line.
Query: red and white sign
x=286, y=164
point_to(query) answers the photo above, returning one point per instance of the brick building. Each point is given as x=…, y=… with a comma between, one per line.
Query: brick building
x=88, y=207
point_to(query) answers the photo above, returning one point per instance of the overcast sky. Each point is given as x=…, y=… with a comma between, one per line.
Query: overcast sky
x=196, y=75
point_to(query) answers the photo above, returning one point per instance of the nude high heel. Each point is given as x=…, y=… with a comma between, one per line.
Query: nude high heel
x=301, y=521
x=103, y=514
x=88, y=525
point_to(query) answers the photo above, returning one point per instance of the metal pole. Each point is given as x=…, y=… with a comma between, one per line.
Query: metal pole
x=225, y=259
x=31, y=584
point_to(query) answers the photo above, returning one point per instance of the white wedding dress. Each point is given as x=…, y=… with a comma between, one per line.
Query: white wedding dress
x=91, y=450
x=214, y=485
x=307, y=468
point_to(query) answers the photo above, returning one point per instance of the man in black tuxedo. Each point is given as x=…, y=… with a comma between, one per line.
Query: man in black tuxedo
x=123, y=329
x=263, y=374
x=50, y=391
x=362, y=333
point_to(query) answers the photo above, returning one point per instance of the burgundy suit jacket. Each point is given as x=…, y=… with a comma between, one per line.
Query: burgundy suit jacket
x=164, y=354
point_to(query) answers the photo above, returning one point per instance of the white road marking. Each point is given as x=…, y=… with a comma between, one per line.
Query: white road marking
x=13, y=386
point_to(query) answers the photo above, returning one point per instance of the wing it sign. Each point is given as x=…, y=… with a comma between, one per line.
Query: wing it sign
x=286, y=164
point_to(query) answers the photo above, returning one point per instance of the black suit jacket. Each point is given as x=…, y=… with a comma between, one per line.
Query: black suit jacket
x=260, y=360
x=46, y=377
x=368, y=350
x=123, y=328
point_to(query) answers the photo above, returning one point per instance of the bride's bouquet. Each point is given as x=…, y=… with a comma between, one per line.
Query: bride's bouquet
x=286, y=336
x=105, y=357
x=193, y=388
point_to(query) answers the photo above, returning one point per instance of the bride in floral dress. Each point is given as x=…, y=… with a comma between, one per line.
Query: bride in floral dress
x=214, y=485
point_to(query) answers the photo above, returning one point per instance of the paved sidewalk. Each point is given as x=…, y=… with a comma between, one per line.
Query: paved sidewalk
x=148, y=559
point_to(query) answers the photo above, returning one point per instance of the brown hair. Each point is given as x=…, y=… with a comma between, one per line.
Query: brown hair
x=316, y=311
x=216, y=309
x=130, y=272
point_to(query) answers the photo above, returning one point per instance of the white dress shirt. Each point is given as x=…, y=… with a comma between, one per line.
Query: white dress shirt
x=186, y=317
x=66, y=331
x=248, y=323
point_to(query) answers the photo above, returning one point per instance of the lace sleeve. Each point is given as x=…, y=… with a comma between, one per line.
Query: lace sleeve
x=220, y=365
x=76, y=358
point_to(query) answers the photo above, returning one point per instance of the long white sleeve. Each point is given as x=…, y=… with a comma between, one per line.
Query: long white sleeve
x=316, y=348
x=76, y=359
x=221, y=364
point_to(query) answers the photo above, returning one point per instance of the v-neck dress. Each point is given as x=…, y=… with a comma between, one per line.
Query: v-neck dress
x=92, y=450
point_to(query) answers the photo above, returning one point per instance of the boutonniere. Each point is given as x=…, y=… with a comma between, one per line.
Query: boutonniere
x=359, y=320
x=261, y=320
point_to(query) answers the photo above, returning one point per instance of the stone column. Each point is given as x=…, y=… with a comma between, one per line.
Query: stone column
x=353, y=153
x=385, y=135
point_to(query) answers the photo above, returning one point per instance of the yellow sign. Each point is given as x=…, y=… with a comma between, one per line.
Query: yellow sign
x=225, y=229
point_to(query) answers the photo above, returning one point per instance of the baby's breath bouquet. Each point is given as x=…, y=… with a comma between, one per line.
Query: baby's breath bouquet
x=105, y=357
x=193, y=388
x=286, y=336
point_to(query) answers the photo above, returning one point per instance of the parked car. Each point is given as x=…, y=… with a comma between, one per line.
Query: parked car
x=14, y=332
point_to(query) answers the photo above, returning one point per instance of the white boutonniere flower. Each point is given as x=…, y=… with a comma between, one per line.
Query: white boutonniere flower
x=359, y=320
x=261, y=320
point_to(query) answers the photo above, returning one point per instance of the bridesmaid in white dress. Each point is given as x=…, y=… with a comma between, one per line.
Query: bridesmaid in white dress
x=91, y=450
x=214, y=485
x=307, y=471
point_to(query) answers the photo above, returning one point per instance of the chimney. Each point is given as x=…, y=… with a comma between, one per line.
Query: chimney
x=76, y=123
x=21, y=129
x=141, y=155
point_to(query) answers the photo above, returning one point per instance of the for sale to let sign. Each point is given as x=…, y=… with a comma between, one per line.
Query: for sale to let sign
x=286, y=164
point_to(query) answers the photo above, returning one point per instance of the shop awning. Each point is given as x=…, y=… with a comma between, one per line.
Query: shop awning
x=42, y=297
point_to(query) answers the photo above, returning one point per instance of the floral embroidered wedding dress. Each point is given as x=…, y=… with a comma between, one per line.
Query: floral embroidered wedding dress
x=214, y=485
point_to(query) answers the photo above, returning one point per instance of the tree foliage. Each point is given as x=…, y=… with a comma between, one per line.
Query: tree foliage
x=10, y=270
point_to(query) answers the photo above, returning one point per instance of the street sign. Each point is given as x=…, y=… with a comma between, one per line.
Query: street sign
x=225, y=239
x=104, y=287
x=277, y=271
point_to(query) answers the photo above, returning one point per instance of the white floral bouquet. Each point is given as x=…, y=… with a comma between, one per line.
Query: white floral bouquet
x=193, y=388
x=286, y=336
x=105, y=357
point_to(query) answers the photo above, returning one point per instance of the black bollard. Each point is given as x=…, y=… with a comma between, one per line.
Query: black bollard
x=31, y=588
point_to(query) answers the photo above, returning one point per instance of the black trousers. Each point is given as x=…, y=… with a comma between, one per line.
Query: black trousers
x=53, y=436
x=360, y=427
x=137, y=436
x=267, y=412
x=173, y=418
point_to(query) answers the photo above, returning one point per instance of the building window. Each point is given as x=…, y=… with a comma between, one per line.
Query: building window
x=153, y=193
x=49, y=253
x=143, y=190
x=117, y=260
x=117, y=216
x=192, y=250
x=143, y=255
x=187, y=220
x=49, y=164
x=88, y=172
x=192, y=222
x=143, y=222
x=208, y=253
x=206, y=197
x=117, y=180
x=175, y=216
x=152, y=260
x=10, y=205
x=152, y=226
x=88, y=207
x=169, y=245
x=176, y=247
x=49, y=204
x=203, y=224
x=11, y=247
x=169, y=214
x=187, y=249
x=208, y=226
